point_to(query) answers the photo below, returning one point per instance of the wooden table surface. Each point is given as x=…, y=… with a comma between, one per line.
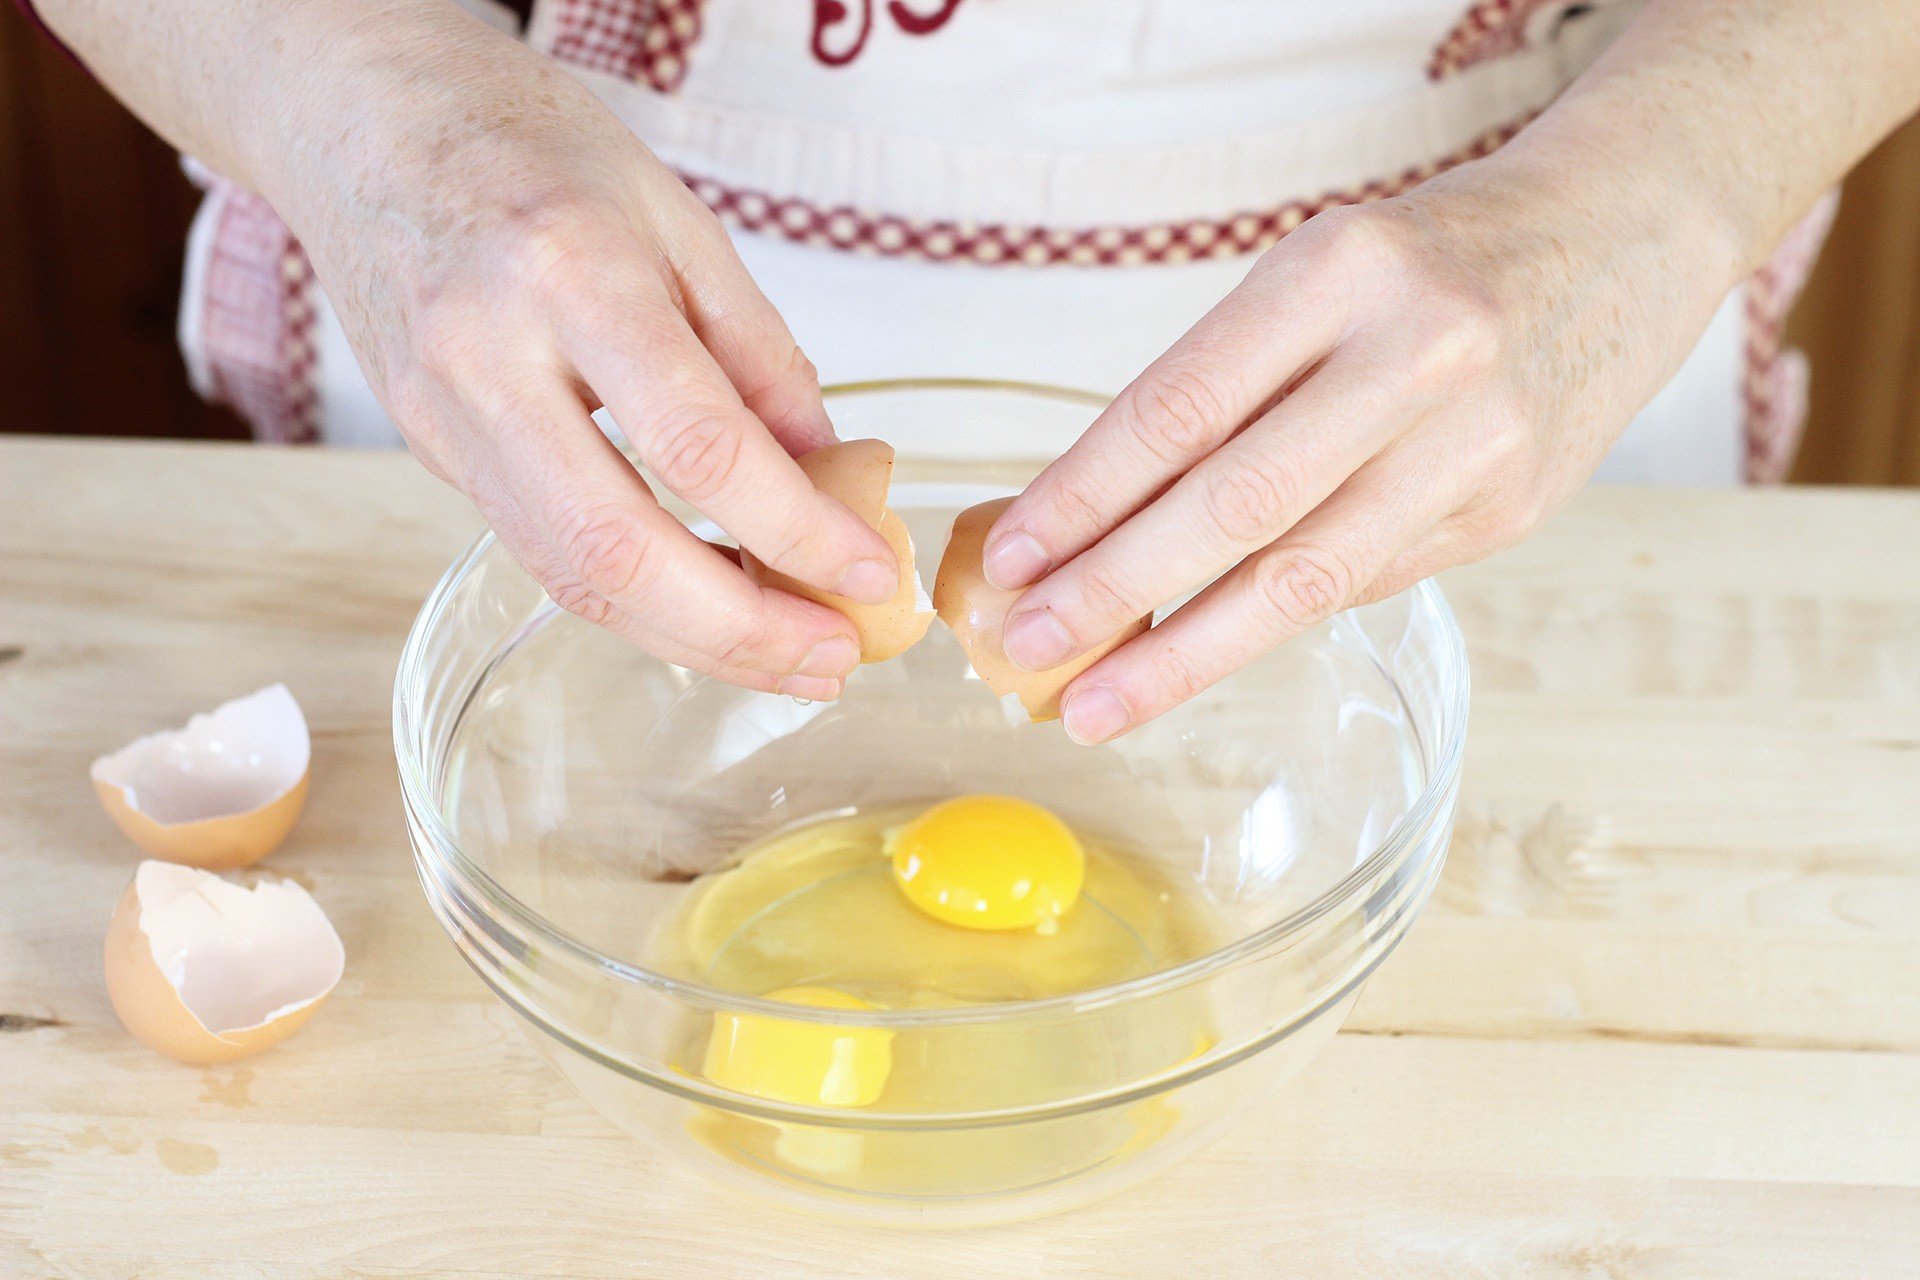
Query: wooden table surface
x=1662, y=1018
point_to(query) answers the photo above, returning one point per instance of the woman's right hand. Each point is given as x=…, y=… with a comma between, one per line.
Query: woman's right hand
x=505, y=256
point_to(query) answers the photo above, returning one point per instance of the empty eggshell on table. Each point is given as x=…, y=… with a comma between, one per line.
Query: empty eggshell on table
x=219, y=793
x=976, y=610
x=204, y=971
x=857, y=473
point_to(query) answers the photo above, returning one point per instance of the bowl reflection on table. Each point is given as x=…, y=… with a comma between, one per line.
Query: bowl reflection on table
x=565, y=792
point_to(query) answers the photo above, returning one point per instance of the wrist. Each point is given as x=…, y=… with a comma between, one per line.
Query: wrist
x=1609, y=190
x=350, y=88
x=1600, y=282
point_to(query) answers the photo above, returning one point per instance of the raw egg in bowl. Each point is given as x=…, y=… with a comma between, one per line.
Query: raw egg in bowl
x=911, y=956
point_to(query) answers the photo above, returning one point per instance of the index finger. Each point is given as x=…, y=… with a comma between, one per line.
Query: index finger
x=585, y=524
x=1186, y=404
x=691, y=428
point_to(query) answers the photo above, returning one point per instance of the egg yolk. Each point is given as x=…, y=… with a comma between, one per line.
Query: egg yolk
x=804, y=1063
x=989, y=862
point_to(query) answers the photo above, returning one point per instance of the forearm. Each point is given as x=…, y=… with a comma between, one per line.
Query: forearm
x=1734, y=114
x=248, y=85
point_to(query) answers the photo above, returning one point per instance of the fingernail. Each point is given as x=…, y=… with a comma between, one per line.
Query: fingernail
x=831, y=659
x=1015, y=560
x=1093, y=715
x=1037, y=641
x=868, y=581
x=811, y=689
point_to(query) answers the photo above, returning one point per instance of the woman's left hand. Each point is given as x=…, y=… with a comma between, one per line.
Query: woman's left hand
x=1395, y=388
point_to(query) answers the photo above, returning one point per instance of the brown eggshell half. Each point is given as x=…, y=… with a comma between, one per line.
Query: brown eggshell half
x=976, y=610
x=216, y=844
x=221, y=792
x=857, y=472
x=284, y=952
x=885, y=630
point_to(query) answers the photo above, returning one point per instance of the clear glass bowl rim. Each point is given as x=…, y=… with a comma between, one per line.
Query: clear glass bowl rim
x=534, y=930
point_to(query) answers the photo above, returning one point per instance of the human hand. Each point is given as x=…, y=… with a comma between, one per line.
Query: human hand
x=505, y=257
x=1395, y=388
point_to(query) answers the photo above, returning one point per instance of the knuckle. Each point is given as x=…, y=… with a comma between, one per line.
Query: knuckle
x=1366, y=242
x=1179, y=415
x=795, y=546
x=454, y=463
x=608, y=551
x=1463, y=334
x=548, y=248
x=1303, y=585
x=1178, y=675
x=801, y=370
x=697, y=453
x=1109, y=595
x=1510, y=520
x=444, y=338
x=781, y=379
x=580, y=600
x=1506, y=442
x=412, y=400
x=742, y=651
x=1080, y=509
x=1246, y=502
x=1289, y=250
x=702, y=224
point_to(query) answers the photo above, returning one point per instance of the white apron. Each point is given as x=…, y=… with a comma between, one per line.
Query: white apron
x=1042, y=190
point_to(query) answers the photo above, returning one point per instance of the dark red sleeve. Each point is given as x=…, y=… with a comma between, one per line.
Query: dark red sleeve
x=39, y=23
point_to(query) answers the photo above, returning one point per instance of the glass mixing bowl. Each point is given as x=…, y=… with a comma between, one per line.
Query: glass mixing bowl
x=564, y=791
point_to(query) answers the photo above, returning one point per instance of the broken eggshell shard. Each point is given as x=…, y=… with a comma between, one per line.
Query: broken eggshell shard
x=857, y=473
x=205, y=971
x=221, y=792
x=976, y=610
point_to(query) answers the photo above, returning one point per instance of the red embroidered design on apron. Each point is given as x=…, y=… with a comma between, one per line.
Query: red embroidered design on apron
x=831, y=16
x=257, y=318
x=645, y=40
x=857, y=231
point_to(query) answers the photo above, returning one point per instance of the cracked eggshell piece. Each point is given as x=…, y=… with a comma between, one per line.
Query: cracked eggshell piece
x=221, y=792
x=205, y=971
x=976, y=610
x=857, y=473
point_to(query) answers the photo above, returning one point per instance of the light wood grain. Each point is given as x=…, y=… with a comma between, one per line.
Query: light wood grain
x=1662, y=1018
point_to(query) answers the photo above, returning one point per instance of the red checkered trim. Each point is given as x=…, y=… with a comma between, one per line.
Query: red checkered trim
x=1774, y=387
x=996, y=244
x=257, y=321
x=645, y=40
x=1490, y=29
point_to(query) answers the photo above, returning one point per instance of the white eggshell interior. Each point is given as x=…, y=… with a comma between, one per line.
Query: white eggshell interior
x=922, y=602
x=239, y=957
x=234, y=759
